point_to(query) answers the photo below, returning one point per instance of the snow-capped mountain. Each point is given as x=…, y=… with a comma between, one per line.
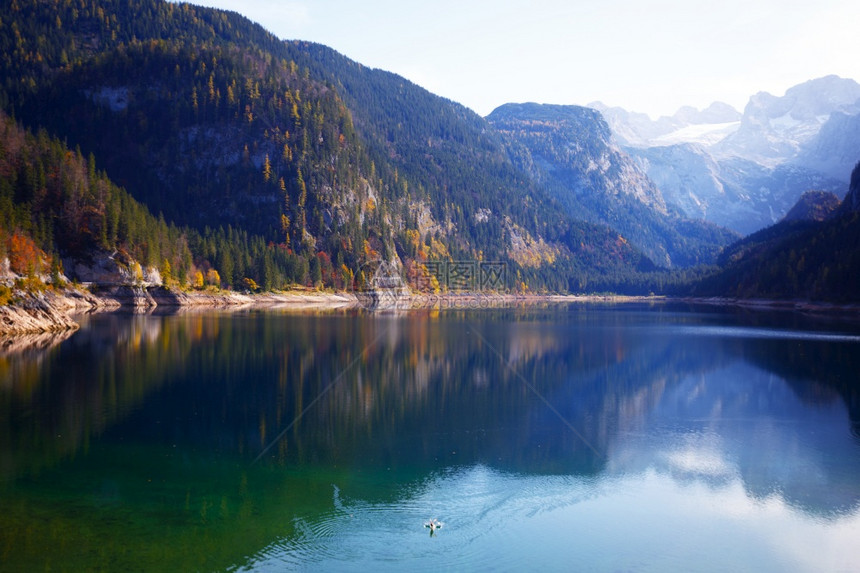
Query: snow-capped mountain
x=695, y=188
x=773, y=129
x=835, y=149
x=688, y=125
x=570, y=151
x=735, y=193
x=746, y=171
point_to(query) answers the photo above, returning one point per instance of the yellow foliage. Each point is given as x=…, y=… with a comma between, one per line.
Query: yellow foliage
x=347, y=275
x=413, y=237
x=434, y=284
x=137, y=272
x=438, y=250
x=213, y=278
x=369, y=253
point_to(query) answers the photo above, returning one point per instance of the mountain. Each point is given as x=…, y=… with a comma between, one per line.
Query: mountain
x=773, y=128
x=364, y=91
x=688, y=125
x=835, y=148
x=851, y=203
x=745, y=171
x=227, y=131
x=814, y=206
x=178, y=140
x=798, y=258
x=569, y=150
x=716, y=113
x=735, y=193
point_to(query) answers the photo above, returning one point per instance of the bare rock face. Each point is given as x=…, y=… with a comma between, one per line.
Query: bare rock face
x=151, y=277
x=103, y=269
x=6, y=273
x=135, y=297
x=113, y=269
x=746, y=171
x=37, y=312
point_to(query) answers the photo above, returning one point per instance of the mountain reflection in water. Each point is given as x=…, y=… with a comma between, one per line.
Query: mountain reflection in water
x=563, y=419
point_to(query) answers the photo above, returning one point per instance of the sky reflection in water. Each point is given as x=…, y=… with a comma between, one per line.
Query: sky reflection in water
x=567, y=437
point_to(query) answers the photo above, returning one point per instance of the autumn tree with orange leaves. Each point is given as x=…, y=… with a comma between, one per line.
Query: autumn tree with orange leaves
x=25, y=258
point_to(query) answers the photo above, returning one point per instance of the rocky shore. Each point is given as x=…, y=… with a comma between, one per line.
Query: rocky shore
x=53, y=311
x=48, y=310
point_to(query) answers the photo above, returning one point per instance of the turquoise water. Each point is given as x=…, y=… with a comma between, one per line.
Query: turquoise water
x=643, y=438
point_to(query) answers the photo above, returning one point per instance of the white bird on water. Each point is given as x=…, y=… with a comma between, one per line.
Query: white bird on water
x=433, y=525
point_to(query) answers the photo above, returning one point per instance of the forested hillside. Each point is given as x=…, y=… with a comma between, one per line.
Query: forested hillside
x=286, y=163
x=211, y=121
x=188, y=109
x=55, y=204
x=796, y=259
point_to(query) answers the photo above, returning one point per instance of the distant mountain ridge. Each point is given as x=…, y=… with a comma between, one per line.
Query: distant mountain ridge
x=773, y=128
x=834, y=149
x=569, y=150
x=812, y=254
x=687, y=125
x=744, y=171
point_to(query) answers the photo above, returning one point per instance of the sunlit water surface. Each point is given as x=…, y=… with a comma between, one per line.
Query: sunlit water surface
x=562, y=438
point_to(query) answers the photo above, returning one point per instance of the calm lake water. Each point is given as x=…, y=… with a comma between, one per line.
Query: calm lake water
x=562, y=438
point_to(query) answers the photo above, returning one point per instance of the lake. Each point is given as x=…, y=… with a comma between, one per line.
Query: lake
x=566, y=437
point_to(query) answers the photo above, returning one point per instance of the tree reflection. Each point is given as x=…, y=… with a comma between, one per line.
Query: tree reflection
x=165, y=415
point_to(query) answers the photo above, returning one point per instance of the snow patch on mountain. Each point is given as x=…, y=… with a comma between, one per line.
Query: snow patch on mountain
x=745, y=171
x=687, y=125
x=705, y=134
x=774, y=129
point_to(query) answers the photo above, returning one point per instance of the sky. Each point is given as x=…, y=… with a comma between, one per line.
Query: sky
x=650, y=56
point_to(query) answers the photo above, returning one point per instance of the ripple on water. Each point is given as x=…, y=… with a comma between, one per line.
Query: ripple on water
x=767, y=333
x=482, y=510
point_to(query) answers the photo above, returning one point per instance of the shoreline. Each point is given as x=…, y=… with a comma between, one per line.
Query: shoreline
x=51, y=311
x=802, y=306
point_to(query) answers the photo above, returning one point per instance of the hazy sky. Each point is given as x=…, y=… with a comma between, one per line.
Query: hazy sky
x=645, y=55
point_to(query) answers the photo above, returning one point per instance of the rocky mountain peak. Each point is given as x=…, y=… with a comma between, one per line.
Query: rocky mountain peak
x=822, y=96
x=835, y=149
x=717, y=112
x=774, y=128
